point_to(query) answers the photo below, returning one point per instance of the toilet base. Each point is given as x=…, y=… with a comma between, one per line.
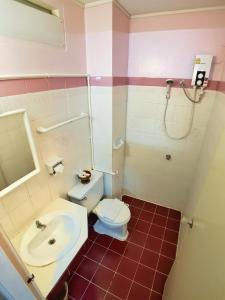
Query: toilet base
x=119, y=233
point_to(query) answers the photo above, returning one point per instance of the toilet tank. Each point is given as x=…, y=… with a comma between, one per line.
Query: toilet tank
x=88, y=194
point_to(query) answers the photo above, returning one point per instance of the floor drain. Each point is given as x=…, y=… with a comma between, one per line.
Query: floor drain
x=51, y=241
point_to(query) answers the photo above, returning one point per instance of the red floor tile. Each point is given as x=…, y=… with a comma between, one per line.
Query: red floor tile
x=57, y=290
x=149, y=207
x=92, y=235
x=135, y=212
x=77, y=286
x=149, y=258
x=171, y=236
x=87, y=245
x=110, y=297
x=120, y=286
x=159, y=220
x=174, y=214
x=159, y=282
x=87, y=268
x=155, y=296
x=96, y=252
x=165, y=264
x=103, y=277
x=138, y=238
x=111, y=260
x=94, y=293
x=160, y=210
x=127, y=199
x=142, y=226
x=132, y=223
x=138, y=292
x=153, y=243
x=103, y=240
x=173, y=224
x=127, y=270
x=168, y=249
x=138, y=203
x=144, y=276
x=146, y=216
x=133, y=252
x=75, y=263
x=118, y=246
x=157, y=231
x=85, y=248
x=127, y=267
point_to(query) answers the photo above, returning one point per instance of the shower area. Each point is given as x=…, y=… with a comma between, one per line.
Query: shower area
x=172, y=130
x=168, y=119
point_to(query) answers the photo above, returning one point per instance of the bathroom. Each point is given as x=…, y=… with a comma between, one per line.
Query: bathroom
x=103, y=153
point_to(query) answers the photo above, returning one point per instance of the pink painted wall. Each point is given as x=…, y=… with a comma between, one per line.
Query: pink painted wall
x=165, y=46
x=19, y=57
x=107, y=40
x=98, y=23
x=120, y=42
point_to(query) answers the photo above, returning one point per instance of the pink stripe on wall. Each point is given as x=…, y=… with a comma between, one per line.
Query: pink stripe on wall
x=221, y=86
x=24, y=86
x=101, y=81
x=147, y=81
x=109, y=81
x=143, y=81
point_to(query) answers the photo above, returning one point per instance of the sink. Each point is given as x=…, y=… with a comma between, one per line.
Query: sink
x=43, y=246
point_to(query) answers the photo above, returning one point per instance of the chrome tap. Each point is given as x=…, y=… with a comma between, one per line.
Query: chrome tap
x=40, y=225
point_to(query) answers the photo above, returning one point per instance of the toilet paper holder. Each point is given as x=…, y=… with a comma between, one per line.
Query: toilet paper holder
x=55, y=165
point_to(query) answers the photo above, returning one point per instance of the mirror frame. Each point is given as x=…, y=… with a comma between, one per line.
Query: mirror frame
x=36, y=170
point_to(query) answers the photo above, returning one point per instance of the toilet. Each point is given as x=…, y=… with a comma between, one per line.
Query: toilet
x=113, y=214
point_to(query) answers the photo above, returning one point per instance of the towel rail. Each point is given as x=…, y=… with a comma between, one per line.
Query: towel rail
x=108, y=172
x=44, y=130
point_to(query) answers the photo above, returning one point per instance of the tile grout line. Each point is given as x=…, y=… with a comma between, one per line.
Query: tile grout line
x=99, y=263
x=115, y=272
x=82, y=259
x=140, y=247
x=122, y=256
x=118, y=273
x=176, y=220
x=150, y=224
x=85, y=256
x=156, y=270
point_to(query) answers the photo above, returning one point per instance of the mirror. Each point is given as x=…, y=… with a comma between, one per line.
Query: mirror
x=18, y=157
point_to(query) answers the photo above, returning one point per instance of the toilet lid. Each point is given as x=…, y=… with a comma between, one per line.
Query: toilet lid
x=122, y=217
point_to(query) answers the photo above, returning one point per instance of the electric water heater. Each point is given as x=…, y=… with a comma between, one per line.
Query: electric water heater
x=201, y=70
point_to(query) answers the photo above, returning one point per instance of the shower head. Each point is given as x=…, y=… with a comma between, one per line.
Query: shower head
x=169, y=82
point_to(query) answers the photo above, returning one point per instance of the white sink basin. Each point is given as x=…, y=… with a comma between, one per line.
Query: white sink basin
x=43, y=246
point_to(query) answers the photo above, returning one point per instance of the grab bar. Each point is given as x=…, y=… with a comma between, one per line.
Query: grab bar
x=44, y=130
x=117, y=146
x=108, y=172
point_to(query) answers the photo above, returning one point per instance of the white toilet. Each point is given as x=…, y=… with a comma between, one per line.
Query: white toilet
x=113, y=214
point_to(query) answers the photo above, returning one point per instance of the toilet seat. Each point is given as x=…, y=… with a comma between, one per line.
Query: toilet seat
x=122, y=218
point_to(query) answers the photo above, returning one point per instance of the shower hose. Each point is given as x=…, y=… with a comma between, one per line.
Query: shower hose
x=193, y=101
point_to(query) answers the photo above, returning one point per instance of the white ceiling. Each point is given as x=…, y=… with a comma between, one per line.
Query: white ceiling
x=136, y=7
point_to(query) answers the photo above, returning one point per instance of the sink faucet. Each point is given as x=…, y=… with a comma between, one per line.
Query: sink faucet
x=40, y=225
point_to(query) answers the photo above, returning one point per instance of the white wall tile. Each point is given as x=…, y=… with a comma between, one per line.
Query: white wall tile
x=72, y=142
x=157, y=180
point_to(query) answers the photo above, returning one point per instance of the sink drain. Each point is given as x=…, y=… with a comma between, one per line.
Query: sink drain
x=52, y=241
